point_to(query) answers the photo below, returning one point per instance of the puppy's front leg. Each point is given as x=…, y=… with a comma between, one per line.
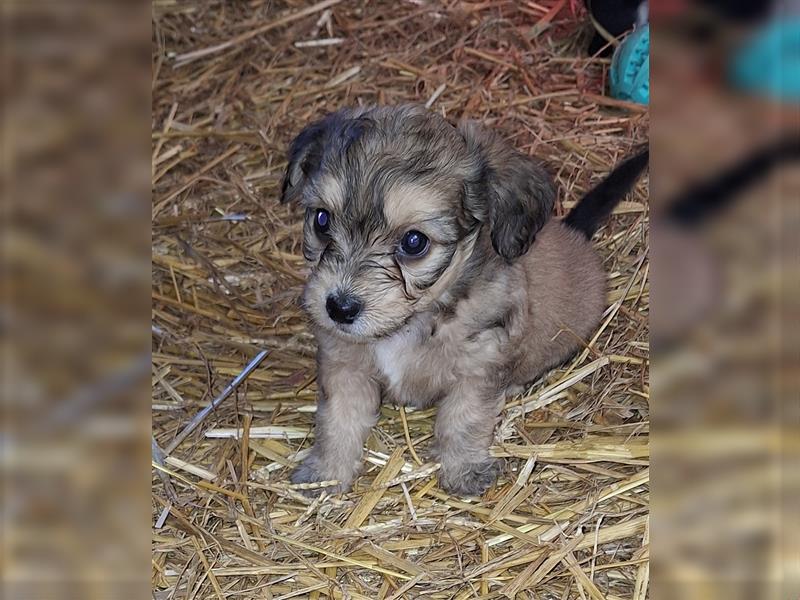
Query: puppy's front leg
x=347, y=409
x=464, y=427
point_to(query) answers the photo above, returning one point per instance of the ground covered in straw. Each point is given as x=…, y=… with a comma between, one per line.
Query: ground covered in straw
x=232, y=83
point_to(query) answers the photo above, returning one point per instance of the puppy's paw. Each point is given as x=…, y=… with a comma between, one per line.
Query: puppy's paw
x=311, y=471
x=430, y=453
x=469, y=479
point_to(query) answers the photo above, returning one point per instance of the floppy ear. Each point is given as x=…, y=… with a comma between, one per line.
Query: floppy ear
x=511, y=191
x=305, y=156
x=334, y=132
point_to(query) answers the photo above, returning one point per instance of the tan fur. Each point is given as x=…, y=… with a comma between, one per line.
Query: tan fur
x=410, y=203
x=557, y=292
x=331, y=193
x=501, y=296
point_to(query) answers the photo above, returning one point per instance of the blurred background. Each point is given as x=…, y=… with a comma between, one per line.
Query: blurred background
x=724, y=297
x=725, y=397
x=75, y=304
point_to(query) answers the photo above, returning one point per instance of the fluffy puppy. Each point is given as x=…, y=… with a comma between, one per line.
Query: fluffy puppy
x=436, y=276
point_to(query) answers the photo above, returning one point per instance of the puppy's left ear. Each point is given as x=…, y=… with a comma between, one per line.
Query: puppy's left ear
x=511, y=191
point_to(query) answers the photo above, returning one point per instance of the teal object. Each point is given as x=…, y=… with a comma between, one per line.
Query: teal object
x=630, y=67
x=769, y=63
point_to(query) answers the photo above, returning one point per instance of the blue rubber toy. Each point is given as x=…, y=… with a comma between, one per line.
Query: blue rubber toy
x=769, y=63
x=630, y=67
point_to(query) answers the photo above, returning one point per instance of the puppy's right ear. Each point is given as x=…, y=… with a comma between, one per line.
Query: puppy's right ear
x=335, y=132
x=305, y=156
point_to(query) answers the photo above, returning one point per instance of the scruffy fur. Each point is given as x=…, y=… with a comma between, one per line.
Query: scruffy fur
x=502, y=295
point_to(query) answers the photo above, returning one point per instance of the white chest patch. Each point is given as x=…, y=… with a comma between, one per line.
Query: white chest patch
x=413, y=366
x=389, y=357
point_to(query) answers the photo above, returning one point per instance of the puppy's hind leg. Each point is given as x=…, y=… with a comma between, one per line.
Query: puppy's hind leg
x=347, y=409
x=464, y=428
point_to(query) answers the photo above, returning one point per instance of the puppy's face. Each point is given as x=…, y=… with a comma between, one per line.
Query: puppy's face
x=395, y=200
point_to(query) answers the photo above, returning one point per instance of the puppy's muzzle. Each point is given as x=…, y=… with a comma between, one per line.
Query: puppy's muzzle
x=343, y=308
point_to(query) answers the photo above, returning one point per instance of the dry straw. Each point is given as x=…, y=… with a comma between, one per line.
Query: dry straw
x=232, y=82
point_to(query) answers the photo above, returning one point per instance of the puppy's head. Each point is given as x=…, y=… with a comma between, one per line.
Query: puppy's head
x=395, y=202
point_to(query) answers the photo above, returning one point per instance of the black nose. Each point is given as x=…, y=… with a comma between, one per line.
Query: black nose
x=343, y=308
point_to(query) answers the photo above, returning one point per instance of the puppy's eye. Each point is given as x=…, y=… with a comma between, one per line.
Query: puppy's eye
x=414, y=243
x=322, y=222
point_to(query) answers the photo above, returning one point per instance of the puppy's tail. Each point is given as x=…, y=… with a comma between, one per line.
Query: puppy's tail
x=595, y=207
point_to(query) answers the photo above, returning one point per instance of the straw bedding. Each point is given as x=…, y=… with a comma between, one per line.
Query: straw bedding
x=232, y=83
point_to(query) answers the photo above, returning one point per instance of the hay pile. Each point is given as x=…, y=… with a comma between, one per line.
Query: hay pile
x=232, y=83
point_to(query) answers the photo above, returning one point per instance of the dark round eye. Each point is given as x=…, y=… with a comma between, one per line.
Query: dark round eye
x=322, y=221
x=414, y=243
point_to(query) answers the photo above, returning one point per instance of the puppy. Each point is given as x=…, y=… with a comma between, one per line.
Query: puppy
x=437, y=276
